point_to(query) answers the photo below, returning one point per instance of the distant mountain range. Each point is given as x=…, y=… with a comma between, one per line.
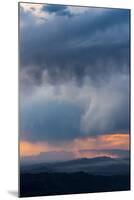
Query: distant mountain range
x=95, y=166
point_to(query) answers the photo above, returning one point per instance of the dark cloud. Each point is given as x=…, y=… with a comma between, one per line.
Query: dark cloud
x=57, y=9
x=88, y=44
x=93, y=45
x=66, y=114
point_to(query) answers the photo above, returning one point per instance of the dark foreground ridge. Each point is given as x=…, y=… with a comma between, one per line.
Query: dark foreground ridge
x=70, y=183
x=95, y=166
x=100, y=174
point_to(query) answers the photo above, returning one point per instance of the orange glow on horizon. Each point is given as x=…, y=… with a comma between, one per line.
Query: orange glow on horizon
x=108, y=141
x=29, y=149
x=116, y=140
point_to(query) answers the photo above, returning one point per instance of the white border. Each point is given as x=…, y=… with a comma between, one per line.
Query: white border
x=9, y=98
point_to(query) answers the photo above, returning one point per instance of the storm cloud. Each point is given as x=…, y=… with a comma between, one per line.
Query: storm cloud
x=57, y=9
x=86, y=44
x=74, y=72
x=68, y=111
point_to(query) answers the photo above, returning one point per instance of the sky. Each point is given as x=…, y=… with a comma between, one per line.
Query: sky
x=74, y=82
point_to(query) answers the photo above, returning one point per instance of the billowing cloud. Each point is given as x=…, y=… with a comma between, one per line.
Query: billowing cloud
x=92, y=43
x=57, y=9
x=67, y=111
x=74, y=74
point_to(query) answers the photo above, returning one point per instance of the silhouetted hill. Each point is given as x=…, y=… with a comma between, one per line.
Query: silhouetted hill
x=100, y=174
x=70, y=183
x=96, y=166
